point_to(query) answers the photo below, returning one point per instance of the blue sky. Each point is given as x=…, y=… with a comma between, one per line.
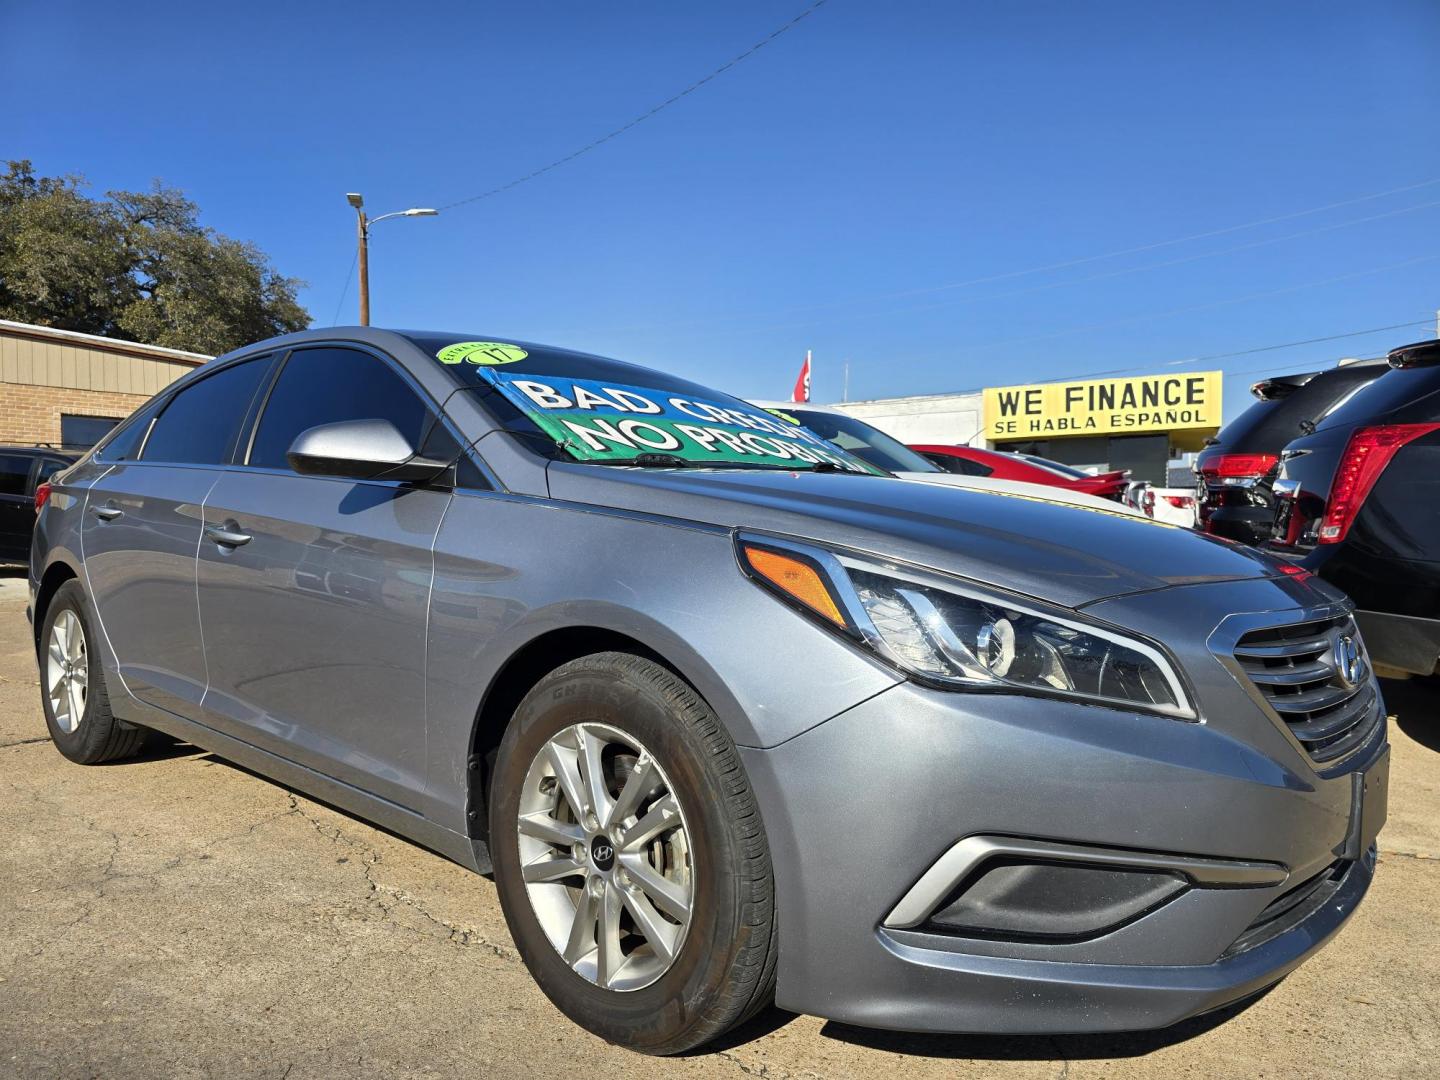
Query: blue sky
x=876, y=184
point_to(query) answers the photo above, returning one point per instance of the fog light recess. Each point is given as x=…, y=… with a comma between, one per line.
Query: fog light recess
x=1021, y=900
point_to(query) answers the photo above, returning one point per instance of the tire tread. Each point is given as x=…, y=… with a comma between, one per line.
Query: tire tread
x=102, y=736
x=750, y=982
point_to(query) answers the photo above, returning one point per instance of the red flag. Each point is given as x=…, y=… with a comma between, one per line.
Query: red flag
x=802, y=384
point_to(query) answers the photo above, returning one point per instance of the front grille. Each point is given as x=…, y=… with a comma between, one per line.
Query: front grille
x=1297, y=669
x=1291, y=909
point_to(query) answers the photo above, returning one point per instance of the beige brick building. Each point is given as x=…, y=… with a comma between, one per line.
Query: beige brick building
x=68, y=389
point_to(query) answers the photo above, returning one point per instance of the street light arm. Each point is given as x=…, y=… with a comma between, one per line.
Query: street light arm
x=362, y=257
x=414, y=211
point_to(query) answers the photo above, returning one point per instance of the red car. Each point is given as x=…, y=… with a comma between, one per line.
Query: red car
x=1003, y=465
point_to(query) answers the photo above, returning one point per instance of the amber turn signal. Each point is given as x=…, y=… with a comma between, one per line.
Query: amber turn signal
x=795, y=578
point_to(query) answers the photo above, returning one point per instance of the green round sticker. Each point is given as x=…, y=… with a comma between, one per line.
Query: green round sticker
x=487, y=353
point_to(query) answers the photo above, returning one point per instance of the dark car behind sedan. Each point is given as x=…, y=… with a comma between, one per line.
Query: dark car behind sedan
x=1358, y=499
x=23, y=471
x=1236, y=470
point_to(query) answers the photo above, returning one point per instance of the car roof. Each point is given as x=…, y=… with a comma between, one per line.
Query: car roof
x=41, y=448
x=960, y=450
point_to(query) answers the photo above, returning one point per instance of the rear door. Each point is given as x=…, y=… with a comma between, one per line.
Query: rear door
x=141, y=530
x=315, y=621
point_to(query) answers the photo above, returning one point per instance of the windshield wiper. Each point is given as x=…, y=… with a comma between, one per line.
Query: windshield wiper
x=658, y=461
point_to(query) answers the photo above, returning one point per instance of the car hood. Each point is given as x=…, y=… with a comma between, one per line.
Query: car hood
x=1062, y=553
x=1048, y=492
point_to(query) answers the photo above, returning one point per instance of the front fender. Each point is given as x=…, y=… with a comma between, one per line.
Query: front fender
x=510, y=569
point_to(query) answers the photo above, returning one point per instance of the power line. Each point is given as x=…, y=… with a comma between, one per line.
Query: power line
x=1308, y=341
x=335, y=319
x=1178, y=240
x=1152, y=365
x=1067, y=263
x=1253, y=351
x=1107, y=275
x=751, y=51
x=1273, y=367
x=1212, y=304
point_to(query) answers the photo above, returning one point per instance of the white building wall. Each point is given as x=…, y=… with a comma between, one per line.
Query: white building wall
x=956, y=419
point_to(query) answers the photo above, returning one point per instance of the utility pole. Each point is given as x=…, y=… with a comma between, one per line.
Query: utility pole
x=363, y=231
x=362, y=228
x=845, y=390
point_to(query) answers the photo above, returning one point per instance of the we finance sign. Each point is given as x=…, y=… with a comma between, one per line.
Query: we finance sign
x=1147, y=403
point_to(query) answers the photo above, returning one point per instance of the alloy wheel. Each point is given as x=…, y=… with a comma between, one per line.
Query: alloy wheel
x=605, y=855
x=67, y=670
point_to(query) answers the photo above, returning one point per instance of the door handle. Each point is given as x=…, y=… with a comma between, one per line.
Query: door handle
x=107, y=513
x=226, y=535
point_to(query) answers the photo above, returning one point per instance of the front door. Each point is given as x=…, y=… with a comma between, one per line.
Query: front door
x=314, y=590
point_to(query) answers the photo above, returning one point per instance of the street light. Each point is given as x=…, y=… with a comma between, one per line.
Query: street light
x=355, y=199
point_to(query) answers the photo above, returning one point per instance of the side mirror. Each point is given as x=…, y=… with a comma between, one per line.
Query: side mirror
x=360, y=450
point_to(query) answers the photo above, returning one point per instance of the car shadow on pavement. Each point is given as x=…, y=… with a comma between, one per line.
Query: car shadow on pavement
x=158, y=747
x=1415, y=704
x=1128, y=1044
x=216, y=759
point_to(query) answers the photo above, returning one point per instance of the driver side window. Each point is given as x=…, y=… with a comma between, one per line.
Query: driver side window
x=330, y=384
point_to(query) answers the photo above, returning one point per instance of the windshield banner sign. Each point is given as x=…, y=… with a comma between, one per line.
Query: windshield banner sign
x=598, y=421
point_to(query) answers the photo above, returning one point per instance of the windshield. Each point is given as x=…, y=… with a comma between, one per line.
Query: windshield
x=860, y=439
x=605, y=412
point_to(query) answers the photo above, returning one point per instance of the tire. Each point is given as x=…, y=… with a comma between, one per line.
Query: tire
x=88, y=734
x=711, y=854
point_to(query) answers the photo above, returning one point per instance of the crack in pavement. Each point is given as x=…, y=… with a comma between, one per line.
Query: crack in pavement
x=463, y=936
x=24, y=742
x=761, y=1069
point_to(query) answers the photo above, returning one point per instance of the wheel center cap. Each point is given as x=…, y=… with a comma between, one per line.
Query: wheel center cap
x=602, y=853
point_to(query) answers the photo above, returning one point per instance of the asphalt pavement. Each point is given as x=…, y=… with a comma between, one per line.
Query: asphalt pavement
x=178, y=916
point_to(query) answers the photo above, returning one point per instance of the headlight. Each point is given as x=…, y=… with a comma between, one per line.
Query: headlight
x=965, y=637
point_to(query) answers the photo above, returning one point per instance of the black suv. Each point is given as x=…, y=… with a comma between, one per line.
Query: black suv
x=1358, y=501
x=22, y=470
x=1236, y=469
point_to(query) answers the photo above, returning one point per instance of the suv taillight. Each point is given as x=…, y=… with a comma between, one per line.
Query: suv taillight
x=42, y=496
x=1368, y=452
x=1234, y=466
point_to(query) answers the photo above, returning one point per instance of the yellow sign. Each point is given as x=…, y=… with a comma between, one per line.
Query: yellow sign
x=1145, y=403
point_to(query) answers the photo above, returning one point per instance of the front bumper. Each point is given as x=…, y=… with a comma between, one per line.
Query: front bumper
x=859, y=808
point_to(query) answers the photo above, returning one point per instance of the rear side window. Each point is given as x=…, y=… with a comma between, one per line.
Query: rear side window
x=1266, y=426
x=14, y=472
x=124, y=443
x=1377, y=400
x=199, y=424
x=326, y=386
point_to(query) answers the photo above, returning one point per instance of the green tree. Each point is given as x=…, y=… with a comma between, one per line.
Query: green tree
x=137, y=265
